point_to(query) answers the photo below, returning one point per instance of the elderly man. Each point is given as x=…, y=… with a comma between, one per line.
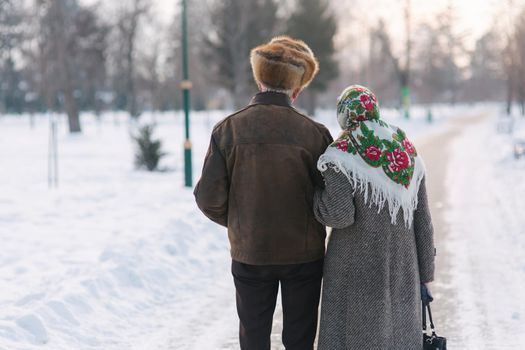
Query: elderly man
x=258, y=181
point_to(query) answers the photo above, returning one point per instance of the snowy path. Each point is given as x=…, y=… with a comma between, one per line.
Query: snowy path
x=480, y=228
x=436, y=152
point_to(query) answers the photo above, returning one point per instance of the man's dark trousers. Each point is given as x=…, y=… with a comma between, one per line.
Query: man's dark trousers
x=257, y=288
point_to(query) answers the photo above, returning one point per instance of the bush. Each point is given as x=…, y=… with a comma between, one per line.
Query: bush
x=149, y=151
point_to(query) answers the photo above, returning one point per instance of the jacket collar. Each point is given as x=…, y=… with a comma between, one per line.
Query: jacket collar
x=271, y=98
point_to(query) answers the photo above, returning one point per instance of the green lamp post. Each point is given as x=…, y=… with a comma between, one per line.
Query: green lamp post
x=186, y=87
x=405, y=101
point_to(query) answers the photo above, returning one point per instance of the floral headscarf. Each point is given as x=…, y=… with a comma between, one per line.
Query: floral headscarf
x=374, y=154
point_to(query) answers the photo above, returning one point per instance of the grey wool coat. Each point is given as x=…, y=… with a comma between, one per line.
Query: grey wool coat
x=371, y=295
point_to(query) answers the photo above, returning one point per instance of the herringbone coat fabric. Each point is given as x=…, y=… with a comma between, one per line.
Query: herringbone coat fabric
x=371, y=294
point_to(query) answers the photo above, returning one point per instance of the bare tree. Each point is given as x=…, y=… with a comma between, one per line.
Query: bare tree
x=520, y=60
x=55, y=22
x=89, y=50
x=6, y=12
x=128, y=25
x=454, y=48
x=70, y=56
x=510, y=56
x=430, y=78
x=438, y=76
x=487, y=76
x=12, y=36
x=509, y=62
x=314, y=22
x=238, y=26
x=150, y=79
x=400, y=64
x=202, y=66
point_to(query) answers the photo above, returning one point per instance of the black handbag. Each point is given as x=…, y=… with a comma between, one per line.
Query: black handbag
x=433, y=341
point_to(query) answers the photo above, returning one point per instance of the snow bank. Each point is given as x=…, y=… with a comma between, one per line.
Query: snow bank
x=114, y=257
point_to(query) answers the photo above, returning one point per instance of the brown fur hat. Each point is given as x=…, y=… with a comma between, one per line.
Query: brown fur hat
x=284, y=64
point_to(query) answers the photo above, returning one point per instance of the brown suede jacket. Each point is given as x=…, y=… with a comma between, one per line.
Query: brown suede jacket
x=258, y=180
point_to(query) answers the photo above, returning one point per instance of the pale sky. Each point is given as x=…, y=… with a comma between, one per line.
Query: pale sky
x=474, y=17
x=472, y=13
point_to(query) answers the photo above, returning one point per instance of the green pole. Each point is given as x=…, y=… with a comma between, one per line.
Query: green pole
x=430, y=117
x=405, y=101
x=186, y=86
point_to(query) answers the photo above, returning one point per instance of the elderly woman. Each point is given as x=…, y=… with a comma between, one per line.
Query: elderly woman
x=381, y=247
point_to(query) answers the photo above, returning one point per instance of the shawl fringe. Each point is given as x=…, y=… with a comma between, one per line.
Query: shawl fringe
x=372, y=184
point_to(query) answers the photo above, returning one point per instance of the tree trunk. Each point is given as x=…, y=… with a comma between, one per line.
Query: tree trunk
x=72, y=111
x=132, y=102
x=522, y=99
x=67, y=83
x=69, y=100
x=510, y=92
x=521, y=87
x=139, y=9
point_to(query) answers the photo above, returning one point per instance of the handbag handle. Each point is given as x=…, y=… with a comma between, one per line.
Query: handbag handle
x=424, y=309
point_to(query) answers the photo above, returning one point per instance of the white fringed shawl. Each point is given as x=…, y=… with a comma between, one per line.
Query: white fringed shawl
x=374, y=155
x=366, y=179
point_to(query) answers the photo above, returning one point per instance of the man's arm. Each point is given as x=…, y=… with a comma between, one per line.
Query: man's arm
x=211, y=192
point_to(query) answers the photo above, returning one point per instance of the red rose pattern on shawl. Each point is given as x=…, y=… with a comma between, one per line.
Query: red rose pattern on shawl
x=366, y=102
x=408, y=146
x=398, y=160
x=343, y=145
x=373, y=153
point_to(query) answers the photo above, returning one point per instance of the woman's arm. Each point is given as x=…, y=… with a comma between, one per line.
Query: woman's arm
x=334, y=205
x=424, y=232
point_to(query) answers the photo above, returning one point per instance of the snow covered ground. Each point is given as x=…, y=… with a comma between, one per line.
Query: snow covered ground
x=113, y=258
x=486, y=240
x=122, y=259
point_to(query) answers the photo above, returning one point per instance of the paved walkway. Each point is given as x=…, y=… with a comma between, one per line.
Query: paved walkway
x=435, y=152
